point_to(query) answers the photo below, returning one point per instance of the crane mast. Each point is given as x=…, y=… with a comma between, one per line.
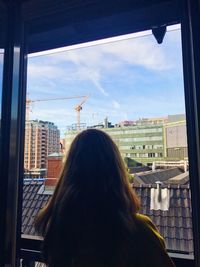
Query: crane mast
x=78, y=108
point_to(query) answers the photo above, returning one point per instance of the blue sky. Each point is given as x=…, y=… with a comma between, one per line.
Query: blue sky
x=125, y=80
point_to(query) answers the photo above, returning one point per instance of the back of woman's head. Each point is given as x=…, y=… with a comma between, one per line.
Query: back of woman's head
x=93, y=205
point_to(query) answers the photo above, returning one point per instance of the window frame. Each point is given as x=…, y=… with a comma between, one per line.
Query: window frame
x=24, y=33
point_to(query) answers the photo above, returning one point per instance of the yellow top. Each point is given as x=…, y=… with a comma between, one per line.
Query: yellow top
x=147, y=249
x=151, y=246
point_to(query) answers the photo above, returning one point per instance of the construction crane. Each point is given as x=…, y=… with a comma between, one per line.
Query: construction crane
x=78, y=108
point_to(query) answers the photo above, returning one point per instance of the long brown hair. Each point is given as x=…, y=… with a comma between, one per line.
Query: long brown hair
x=91, y=212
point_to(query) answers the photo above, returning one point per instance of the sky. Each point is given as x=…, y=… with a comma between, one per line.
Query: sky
x=125, y=80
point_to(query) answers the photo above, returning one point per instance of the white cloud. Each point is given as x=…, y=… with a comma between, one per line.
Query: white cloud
x=94, y=64
x=140, y=52
x=44, y=70
x=89, y=63
x=98, y=85
x=116, y=104
x=54, y=68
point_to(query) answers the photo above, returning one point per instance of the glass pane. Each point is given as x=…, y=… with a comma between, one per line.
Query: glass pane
x=132, y=88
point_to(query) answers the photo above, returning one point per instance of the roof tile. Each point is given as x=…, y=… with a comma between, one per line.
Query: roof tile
x=175, y=224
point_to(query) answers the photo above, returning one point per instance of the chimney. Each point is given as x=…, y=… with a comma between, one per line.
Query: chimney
x=54, y=168
x=158, y=185
x=160, y=198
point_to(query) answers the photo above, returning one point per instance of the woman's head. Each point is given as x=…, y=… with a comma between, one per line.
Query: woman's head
x=93, y=188
x=94, y=164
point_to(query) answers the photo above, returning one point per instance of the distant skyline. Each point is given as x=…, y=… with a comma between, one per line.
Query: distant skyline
x=125, y=80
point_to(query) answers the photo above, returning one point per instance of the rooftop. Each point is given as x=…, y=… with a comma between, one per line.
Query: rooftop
x=167, y=176
x=55, y=155
x=175, y=224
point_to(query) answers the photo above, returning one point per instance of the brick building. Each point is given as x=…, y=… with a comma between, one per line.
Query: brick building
x=54, y=168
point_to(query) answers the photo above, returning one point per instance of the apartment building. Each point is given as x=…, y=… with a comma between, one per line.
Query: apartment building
x=41, y=139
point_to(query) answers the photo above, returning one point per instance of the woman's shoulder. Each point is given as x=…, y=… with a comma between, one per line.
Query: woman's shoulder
x=145, y=219
x=146, y=222
x=153, y=245
x=148, y=228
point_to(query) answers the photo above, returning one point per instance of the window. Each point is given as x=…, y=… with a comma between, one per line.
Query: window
x=146, y=119
x=175, y=150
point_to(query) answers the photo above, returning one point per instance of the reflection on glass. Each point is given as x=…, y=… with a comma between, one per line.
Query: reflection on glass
x=133, y=90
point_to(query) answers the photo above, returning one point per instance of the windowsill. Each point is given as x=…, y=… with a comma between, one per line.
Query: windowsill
x=181, y=256
x=34, y=242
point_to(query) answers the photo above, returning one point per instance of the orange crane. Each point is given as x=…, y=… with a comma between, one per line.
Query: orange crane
x=78, y=108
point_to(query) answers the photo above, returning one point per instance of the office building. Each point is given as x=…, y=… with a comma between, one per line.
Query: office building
x=149, y=140
x=143, y=143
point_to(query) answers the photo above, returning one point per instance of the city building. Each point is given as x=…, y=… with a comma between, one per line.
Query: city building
x=35, y=173
x=147, y=139
x=41, y=139
x=145, y=121
x=139, y=144
x=176, y=147
x=126, y=123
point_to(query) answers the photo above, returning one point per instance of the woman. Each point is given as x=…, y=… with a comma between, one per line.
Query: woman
x=92, y=219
